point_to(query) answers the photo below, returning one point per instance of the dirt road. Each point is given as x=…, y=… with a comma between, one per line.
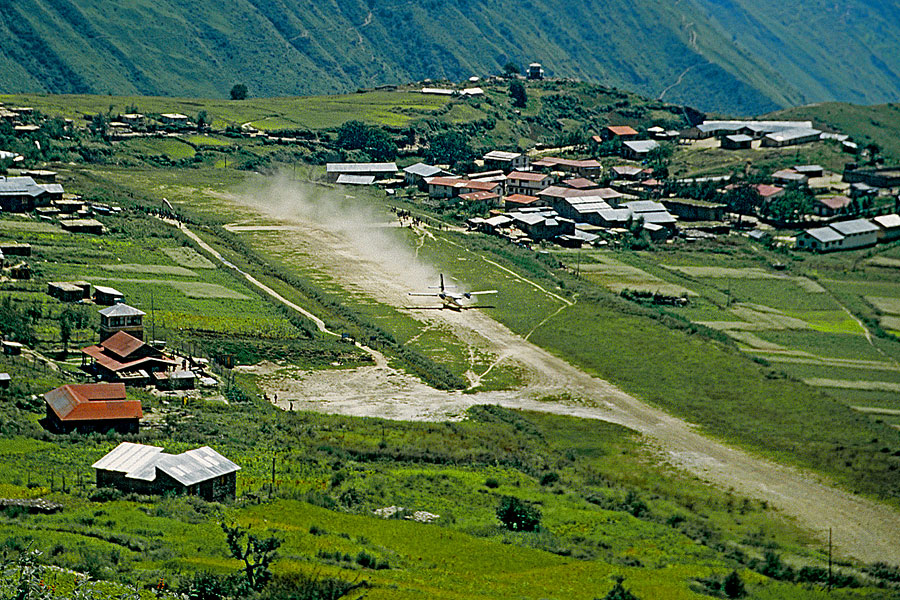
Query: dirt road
x=363, y=264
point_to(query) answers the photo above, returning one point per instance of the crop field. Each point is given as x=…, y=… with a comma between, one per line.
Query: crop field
x=701, y=161
x=172, y=148
x=188, y=258
x=393, y=109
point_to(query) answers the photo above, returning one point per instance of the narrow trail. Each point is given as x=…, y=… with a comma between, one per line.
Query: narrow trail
x=678, y=81
x=864, y=529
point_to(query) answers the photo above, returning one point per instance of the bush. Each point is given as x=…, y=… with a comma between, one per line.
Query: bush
x=105, y=494
x=492, y=483
x=549, y=478
x=618, y=592
x=516, y=515
x=300, y=586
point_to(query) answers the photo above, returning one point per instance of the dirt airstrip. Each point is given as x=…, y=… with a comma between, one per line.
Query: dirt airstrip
x=381, y=266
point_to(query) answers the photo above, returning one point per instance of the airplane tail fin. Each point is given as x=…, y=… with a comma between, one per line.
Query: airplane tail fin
x=442, y=282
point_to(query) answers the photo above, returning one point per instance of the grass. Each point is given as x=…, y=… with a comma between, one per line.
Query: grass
x=171, y=148
x=393, y=109
x=187, y=257
x=587, y=537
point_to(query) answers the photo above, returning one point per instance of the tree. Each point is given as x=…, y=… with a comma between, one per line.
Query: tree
x=256, y=553
x=375, y=141
x=352, y=135
x=450, y=147
x=203, y=120
x=517, y=515
x=618, y=591
x=732, y=586
x=742, y=199
x=65, y=332
x=239, y=92
x=511, y=68
x=658, y=159
x=518, y=94
x=99, y=124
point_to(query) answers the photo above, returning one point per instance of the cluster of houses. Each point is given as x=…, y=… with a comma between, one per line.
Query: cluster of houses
x=121, y=359
x=39, y=192
x=852, y=234
x=743, y=135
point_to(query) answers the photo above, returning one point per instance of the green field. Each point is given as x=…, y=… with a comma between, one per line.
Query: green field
x=393, y=109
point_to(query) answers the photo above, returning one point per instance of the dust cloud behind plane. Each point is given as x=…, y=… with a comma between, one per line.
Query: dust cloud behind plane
x=365, y=230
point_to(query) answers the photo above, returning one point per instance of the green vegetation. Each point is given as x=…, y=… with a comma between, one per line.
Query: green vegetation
x=504, y=504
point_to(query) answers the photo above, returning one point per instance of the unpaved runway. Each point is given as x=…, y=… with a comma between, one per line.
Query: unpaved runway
x=862, y=528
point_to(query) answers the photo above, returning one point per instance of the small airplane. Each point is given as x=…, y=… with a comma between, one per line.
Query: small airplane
x=452, y=300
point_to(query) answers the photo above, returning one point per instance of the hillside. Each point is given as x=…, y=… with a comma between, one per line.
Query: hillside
x=718, y=56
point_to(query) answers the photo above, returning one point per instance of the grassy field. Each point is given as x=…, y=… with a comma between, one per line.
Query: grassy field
x=699, y=161
x=608, y=510
x=393, y=109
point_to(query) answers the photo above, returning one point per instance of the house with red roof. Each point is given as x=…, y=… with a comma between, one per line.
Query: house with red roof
x=621, y=132
x=92, y=407
x=828, y=207
x=123, y=357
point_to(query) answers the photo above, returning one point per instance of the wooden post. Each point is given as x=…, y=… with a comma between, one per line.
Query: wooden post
x=829, y=560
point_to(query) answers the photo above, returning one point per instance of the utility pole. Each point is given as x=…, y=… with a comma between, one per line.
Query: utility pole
x=829, y=560
x=272, y=487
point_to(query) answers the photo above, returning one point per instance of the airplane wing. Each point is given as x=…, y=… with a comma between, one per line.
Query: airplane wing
x=481, y=293
x=429, y=294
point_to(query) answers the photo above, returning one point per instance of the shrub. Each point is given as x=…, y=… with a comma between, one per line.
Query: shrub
x=549, y=478
x=300, y=586
x=516, y=515
x=491, y=483
x=105, y=494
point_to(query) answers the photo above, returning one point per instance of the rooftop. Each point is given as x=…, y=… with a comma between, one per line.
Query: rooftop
x=825, y=234
x=526, y=176
x=121, y=310
x=641, y=146
x=502, y=155
x=361, y=168
x=856, y=226
x=92, y=402
x=138, y=461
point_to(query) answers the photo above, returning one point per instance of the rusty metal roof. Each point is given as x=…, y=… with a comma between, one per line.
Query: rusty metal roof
x=92, y=402
x=122, y=344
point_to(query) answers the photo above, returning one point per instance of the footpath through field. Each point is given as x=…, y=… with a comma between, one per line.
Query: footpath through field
x=862, y=528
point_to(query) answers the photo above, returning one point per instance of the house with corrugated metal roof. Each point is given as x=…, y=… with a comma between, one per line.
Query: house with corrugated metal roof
x=638, y=149
x=123, y=357
x=143, y=469
x=92, y=407
x=506, y=161
x=378, y=170
x=23, y=194
x=857, y=233
x=121, y=317
x=888, y=226
x=820, y=239
x=417, y=174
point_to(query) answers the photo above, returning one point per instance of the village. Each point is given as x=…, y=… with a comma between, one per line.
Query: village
x=527, y=198
x=608, y=203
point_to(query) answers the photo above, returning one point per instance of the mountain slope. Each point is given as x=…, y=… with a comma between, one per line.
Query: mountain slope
x=683, y=50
